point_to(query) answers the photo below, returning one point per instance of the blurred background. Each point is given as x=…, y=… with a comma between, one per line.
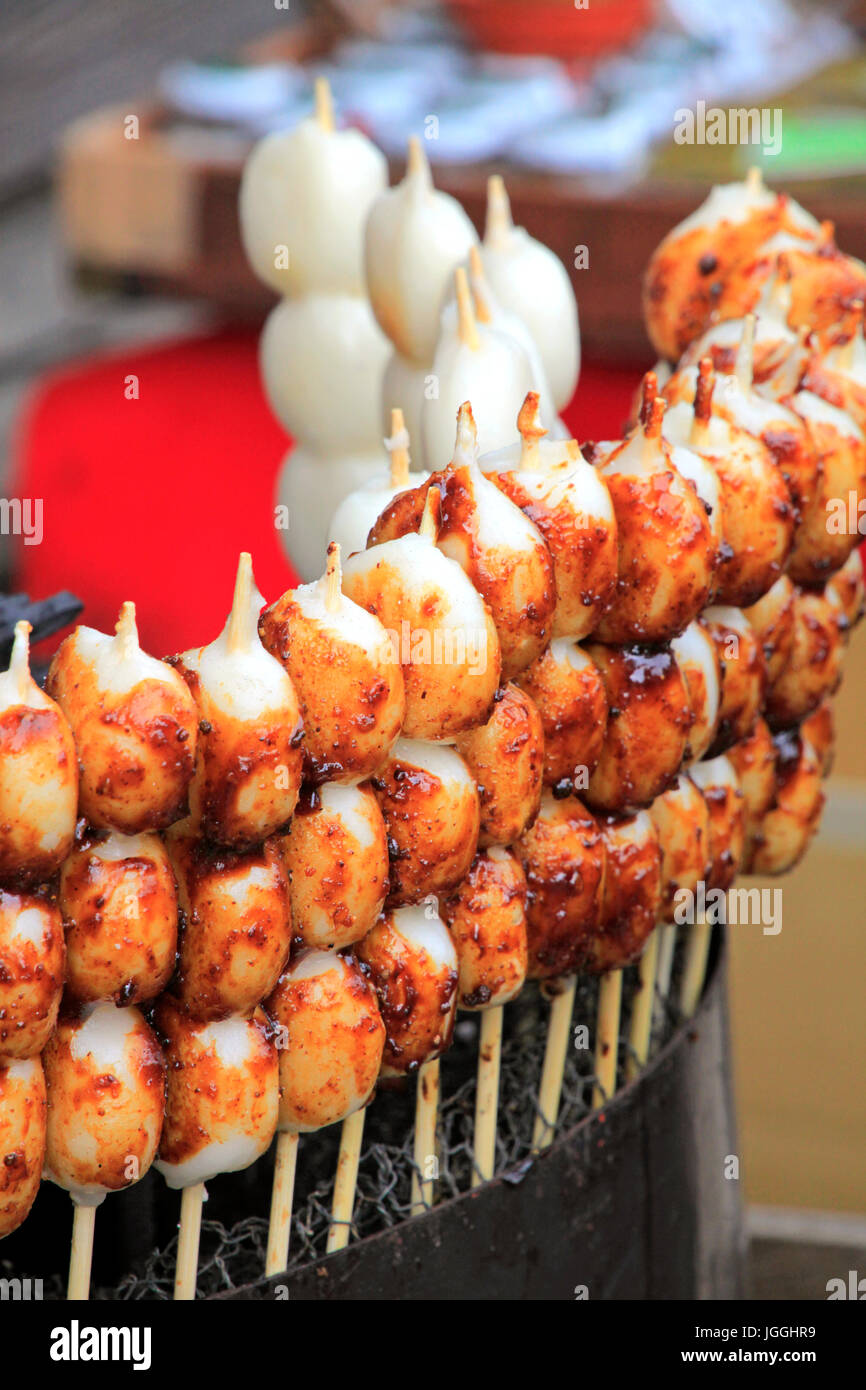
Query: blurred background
x=130, y=401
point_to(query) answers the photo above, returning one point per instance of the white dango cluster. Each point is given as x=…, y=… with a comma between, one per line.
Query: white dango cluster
x=305, y=195
x=389, y=303
x=481, y=322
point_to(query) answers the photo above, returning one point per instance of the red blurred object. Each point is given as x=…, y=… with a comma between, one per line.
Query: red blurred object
x=152, y=499
x=555, y=27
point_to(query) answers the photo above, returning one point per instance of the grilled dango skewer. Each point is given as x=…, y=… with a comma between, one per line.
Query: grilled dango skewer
x=135, y=726
x=351, y=720
x=249, y=762
x=119, y=903
x=701, y=670
x=506, y=758
x=681, y=821
x=429, y=802
x=819, y=730
x=336, y=852
x=443, y=632
x=568, y=689
x=720, y=786
x=23, y=1110
x=568, y=500
x=330, y=1042
x=838, y=374
x=754, y=761
x=236, y=924
x=38, y=773
x=847, y=590
x=757, y=513
x=500, y=549
x=32, y=963
x=814, y=668
x=666, y=552
x=105, y=1076
x=563, y=858
x=486, y=916
x=705, y=252
x=774, y=424
x=222, y=1093
x=772, y=621
x=782, y=834
x=647, y=728
x=412, y=963
x=632, y=892
x=744, y=674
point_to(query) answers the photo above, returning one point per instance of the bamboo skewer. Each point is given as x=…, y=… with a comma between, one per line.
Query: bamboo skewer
x=426, y=1109
x=81, y=1253
x=282, y=1198
x=640, y=1030
x=555, y=1052
x=695, y=967
x=487, y=1094
x=667, y=934
x=607, y=1037
x=346, y=1180
x=188, y=1241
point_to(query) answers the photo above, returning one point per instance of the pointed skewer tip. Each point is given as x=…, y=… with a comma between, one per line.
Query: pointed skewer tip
x=467, y=328
x=333, y=578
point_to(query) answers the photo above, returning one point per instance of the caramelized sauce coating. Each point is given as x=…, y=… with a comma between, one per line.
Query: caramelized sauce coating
x=486, y=916
x=814, y=668
x=432, y=815
x=119, y=903
x=754, y=761
x=135, y=727
x=723, y=795
x=513, y=572
x=412, y=964
x=506, y=758
x=222, y=1093
x=647, y=728
x=568, y=690
x=236, y=926
x=352, y=718
x=772, y=620
x=331, y=1040
x=38, y=774
x=682, y=824
x=336, y=853
x=692, y=269
x=744, y=675
x=784, y=831
x=23, y=1111
x=819, y=730
x=105, y=1075
x=563, y=859
x=632, y=892
x=32, y=963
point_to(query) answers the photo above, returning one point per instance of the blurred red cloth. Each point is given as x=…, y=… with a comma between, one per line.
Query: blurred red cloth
x=152, y=499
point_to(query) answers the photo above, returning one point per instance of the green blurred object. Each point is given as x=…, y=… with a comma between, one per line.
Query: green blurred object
x=819, y=143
